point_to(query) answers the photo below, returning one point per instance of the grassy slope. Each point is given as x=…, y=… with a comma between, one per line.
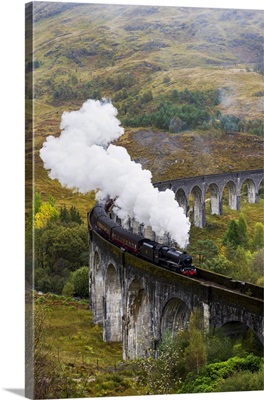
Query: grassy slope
x=73, y=346
x=192, y=153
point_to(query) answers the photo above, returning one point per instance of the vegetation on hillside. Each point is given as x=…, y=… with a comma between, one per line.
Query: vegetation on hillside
x=231, y=245
x=60, y=249
x=199, y=362
x=237, y=253
x=71, y=360
x=186, y=110
x=161, y=71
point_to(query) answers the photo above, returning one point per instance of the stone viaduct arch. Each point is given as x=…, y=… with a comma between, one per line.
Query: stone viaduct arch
x=191, y=192
x=175, y=316
x=251, y=190
x=137, y=302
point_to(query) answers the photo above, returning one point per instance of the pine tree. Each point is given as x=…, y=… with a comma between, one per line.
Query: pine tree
x=64, y=215
x=241, y=265
x=258, y=238
x=231, y=236
x=242, y=231
x=75, y=216
x=205, y=250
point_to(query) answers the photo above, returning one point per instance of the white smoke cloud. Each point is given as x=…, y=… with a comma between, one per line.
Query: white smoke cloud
x=83, y=159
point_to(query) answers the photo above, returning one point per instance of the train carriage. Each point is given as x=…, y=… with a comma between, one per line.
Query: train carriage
x=106, y=225
x=130, y=241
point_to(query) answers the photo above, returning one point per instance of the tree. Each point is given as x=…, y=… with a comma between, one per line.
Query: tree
x=195, y=352
x=47, y=212
x=175, y=125
x=70, y=216
x=52, y=200
x=241, y=265
x=219, y=264
x=260, y=281
x=219, y=346
x=162, y=372
x=68, y=289
x=42, y=280
x=242, y=231
x=147, y=97
x=37, y=202
x=205, y=250
x=80, y=281
x=258, y=238
x=245, y=381
x=69, y=245
x=75, y=216
x=256, y=264
x=59, y=250
x=231, y=236
x=64, y=214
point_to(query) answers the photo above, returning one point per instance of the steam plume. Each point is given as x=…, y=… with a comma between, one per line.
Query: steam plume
x=83, y=159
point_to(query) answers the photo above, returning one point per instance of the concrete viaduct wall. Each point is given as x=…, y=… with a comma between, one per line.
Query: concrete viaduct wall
x=213, y=186
x=136, y=302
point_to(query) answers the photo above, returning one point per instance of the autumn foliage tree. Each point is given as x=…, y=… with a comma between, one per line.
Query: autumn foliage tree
x=61, y=245
x=44, y=212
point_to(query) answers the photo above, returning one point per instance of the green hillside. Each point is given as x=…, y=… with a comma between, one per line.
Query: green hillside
x=139, y=57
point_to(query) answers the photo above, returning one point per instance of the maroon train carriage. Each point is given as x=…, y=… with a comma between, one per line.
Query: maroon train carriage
x=106, y=225
x=96, y=212
x=99, y=221
x=128, y=240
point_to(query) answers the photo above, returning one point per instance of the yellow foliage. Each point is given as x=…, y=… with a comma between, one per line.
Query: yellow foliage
x=46, y=212
x=222, y=251
x=260, y=281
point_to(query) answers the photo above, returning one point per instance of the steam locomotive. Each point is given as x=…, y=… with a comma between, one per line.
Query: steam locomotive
x=157, y=253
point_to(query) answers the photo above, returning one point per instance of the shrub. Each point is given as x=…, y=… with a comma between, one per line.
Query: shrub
x=68, y=290
x=241, y=381
x=80, y=281
x=213, y=375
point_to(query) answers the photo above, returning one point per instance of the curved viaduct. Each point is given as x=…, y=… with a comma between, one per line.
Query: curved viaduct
x=211, y=188
x=136, y=302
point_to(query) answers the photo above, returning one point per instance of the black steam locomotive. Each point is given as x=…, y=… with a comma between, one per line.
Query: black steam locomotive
x=149, y=250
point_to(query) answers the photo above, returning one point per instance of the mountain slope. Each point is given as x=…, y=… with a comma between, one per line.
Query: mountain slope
x=83, y=51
